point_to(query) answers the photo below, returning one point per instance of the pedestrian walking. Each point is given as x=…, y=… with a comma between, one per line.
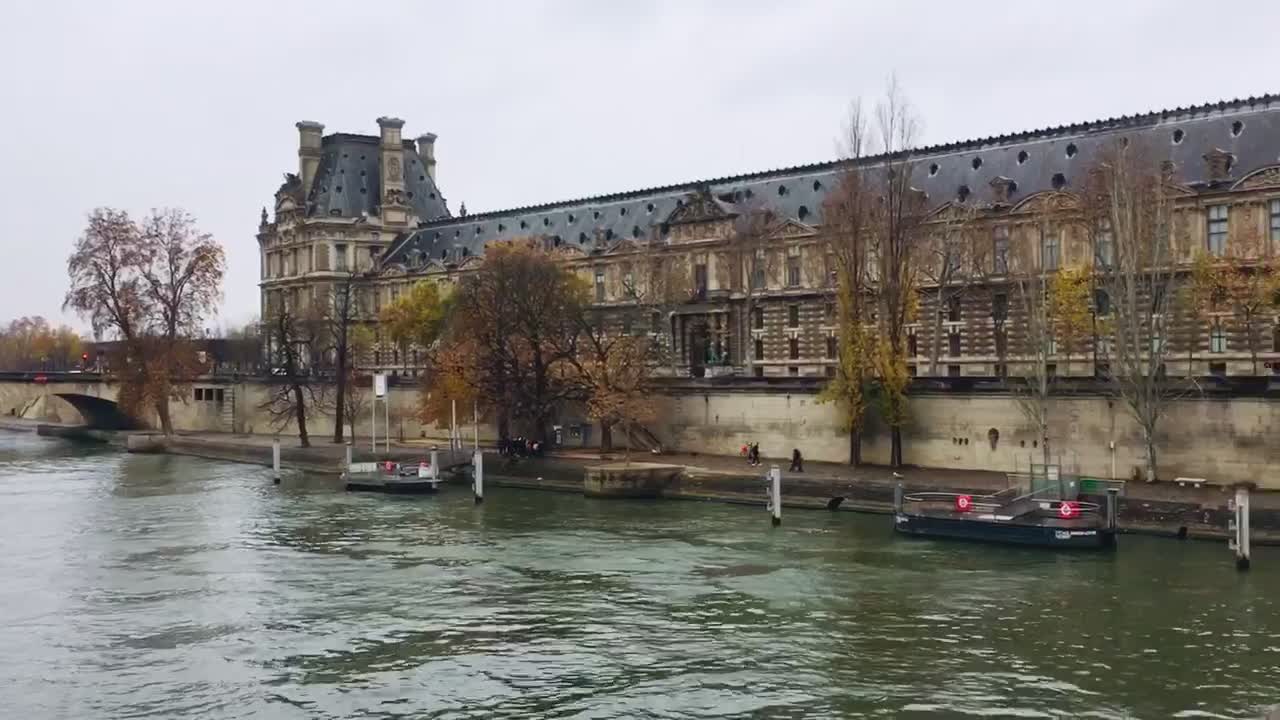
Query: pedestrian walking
x=797, y=460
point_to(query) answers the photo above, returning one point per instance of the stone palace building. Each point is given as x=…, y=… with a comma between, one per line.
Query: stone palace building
x=369, y=207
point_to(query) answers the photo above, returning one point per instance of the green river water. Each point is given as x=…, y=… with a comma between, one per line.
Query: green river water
x=163, y=587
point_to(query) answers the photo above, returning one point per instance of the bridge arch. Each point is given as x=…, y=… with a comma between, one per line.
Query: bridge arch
x=100, y=413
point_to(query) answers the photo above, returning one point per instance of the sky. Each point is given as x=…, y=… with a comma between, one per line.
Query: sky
x=148, y=104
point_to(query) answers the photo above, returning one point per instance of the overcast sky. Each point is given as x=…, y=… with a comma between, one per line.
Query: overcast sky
x=139, y=104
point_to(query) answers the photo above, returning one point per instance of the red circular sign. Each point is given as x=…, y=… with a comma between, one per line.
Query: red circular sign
x=964, y=503
x=1067, y=510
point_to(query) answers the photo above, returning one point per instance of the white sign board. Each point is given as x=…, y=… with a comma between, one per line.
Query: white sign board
x=380, y=385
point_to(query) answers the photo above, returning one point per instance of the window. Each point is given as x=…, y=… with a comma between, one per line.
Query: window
x=599, y=285
x=340, y=258
x=1275, y=224
x=757, y=318
x=757, y=271
x=793, y=269
x=759, y=350
x=759, y=371
x=1101, y=303
x=1218, y=369
x=829, y=311
x=1000, y=250
x=831, y=371
x=831, y=347
x=1051, y=348
x=1000, y=306
x=655, y=322
x=793, y=371
x=913, y=346
x=377, y=357
x=700, y=281
x=1217, y=338
x=1049, y=251
x=793, y=348
x=793, y=316
x=1002, y=342
x=199, y=394
x=911, y=370
x=219, y=395
x=953, y=371
x=953, y=344
x=626, y=326
x=1104, y=250
x=953, y=309
x=829, y=268
x=628, y=281
x=1217, y=240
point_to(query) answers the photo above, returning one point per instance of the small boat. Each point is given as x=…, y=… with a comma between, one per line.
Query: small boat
x=1034, y=518
x=391, y=478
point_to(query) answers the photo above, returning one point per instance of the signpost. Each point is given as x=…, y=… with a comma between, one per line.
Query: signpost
x=379, y=393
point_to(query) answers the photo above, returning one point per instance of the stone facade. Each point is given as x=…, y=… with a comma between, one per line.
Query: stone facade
x=333, y=222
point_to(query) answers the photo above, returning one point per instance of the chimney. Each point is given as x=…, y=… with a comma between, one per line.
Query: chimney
x=427, y=151
x=309, y=136
x=394, y=200
x=1218, y=164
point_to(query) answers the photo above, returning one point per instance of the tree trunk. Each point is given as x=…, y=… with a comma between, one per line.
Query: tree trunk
x=340, y=404
x=504, y=425
x=935, y=343
x=1149, y=437
x=895, y=447
x=162, y=411
x=300, y=416
x=855, y=447
x=606, y=436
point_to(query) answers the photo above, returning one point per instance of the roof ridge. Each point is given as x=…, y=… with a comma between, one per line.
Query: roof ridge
x=1110, y=123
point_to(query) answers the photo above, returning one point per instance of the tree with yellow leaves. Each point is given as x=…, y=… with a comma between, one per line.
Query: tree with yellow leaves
x=1069, y=310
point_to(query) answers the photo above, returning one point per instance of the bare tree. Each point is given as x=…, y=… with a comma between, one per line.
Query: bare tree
x=846, y=250
x=753, y=261
x=296, y=392
x=655, y=281
x=952, y=262
x=150, y=285
x=182, y=270
x=895, y=229
x=1129, y=205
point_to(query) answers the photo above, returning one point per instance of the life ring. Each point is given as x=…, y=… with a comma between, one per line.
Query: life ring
x=1067, y=510
x=964, y=503
x=389, y=466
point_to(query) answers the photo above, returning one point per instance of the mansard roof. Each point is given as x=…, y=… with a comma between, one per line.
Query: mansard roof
x=348, y=181
x=1031, y=162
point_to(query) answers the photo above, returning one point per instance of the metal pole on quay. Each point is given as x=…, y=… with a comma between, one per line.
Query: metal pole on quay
x=478, y=485
x=775, y=495
x=275, y=460
x=1240, y=524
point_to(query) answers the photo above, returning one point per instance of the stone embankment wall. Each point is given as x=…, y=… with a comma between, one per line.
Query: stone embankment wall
x=1223, y=440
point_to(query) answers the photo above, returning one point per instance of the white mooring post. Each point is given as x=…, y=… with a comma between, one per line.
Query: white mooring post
x=347, y=466
x=478, y=486
x=775, y=494
x=1241, y=525
x=435, y=464
x=275, y=459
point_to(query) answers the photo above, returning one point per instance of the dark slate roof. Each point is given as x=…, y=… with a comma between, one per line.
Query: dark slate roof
x=349, y=180
x=1038, y=160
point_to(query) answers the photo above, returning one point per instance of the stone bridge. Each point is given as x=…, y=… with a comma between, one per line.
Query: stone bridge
x=68, y=397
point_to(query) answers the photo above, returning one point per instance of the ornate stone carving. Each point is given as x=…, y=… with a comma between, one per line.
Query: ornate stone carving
x=698, y=206
x=1266, y=177
x=393, y=197
x=394, y=173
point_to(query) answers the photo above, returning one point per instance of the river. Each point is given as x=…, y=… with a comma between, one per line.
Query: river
x=135, y=586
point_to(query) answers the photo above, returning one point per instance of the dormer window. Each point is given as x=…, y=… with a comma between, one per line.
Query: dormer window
x=1002, y=188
